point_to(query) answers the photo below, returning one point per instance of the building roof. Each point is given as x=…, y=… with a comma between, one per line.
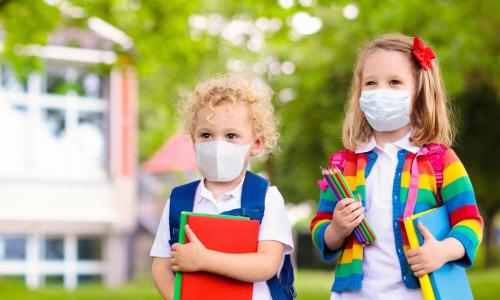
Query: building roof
x=176, y=154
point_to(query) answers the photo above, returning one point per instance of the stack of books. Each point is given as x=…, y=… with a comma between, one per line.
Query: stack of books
x=228, y=234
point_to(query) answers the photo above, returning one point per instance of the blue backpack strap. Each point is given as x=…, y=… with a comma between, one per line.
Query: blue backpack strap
x=282, y=288
x=253, y=196
x=181, y=199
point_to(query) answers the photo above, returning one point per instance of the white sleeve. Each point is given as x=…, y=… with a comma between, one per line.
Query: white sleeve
x=275, y=225
x=161, y=247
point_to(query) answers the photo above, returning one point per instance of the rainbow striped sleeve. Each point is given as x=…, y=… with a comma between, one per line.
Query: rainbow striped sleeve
x=320, y=221
x=458, y=194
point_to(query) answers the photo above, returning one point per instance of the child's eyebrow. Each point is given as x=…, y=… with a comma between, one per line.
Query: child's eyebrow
x=203, y=129
x=232, y=129
x=395, y=76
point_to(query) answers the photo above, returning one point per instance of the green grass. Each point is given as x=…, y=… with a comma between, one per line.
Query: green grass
x=311, y=285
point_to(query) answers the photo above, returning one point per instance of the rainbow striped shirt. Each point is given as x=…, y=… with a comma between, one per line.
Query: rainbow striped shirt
x=456, y=192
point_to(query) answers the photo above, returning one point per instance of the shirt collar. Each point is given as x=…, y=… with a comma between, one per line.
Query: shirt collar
x=403, y=143
x=367, y=147
x=206, y=194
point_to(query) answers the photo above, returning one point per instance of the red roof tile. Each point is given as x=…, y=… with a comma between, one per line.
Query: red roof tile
x=176, y=154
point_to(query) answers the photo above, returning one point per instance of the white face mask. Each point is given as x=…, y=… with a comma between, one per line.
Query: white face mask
x=220, y=161
x=386, y=109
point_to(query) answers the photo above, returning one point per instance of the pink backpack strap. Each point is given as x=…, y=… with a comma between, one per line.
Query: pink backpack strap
x=411, y=200
x=436, y=158
x=339, y=160
x=435, y=154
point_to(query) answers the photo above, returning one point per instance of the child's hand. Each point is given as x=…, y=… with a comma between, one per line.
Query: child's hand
x=347, y=215
x=428, y=257
x=188, y=257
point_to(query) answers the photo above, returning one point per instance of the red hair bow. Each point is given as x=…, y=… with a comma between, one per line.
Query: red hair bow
x=424, y=55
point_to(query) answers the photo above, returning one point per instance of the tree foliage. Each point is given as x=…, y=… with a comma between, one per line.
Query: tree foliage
x=169, y=54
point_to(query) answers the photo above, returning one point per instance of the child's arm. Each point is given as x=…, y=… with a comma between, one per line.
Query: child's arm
x=467, y=225
x=163, y=277
x=249, y=267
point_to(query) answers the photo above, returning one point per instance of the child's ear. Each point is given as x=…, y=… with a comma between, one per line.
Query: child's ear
x=257, y=146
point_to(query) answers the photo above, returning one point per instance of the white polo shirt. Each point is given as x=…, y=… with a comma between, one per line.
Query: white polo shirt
x=381, y=270
x=274, y=226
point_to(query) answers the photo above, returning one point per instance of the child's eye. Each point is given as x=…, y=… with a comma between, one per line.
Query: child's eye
x=205, y=135
x=231, y=136
x=395, y=82
x=370, y=83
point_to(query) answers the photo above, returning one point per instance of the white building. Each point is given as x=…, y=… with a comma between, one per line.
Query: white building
x=68, y=161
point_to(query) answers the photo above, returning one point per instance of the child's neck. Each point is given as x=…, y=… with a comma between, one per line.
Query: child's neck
x=219, y=188
x=384, y=137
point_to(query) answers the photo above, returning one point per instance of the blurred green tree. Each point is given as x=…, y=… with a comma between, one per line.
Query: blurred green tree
x=479, y=111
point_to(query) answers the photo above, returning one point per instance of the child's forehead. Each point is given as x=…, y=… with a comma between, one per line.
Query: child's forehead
x=381, y=61
x=386, y=57
x=223, y=112
x=225, y=106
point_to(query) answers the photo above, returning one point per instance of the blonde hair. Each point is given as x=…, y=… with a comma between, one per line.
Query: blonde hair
x=430, y=115
x=233, y=88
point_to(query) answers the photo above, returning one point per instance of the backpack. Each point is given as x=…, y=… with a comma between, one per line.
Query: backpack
x=435, y=155
x=253, y=206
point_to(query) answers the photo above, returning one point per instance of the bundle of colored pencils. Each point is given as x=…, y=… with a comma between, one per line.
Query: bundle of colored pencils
x=336, y=181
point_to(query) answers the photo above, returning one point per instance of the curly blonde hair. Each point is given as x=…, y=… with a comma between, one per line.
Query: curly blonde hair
x=430, y=114
x=233, y=88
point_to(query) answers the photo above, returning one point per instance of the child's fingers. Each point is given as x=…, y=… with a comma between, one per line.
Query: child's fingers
x=349, y=208
x=425, y=232
x=356, y=212
x=414, y=260
x=416, y=267
x=411, y=253
x=421, y=273
x=190, y=234
x=175, y=268
x=358, y=217
x=354, y=206
x=343, y=203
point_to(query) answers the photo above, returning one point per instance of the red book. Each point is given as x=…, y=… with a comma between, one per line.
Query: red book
x=228, y=234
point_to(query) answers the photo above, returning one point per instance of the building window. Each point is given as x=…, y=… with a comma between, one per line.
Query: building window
x=60, y=120
x=89, y=249
x=53, y=249
x=12, y=247
x=9, y=82
x=89, y=279
x=62, y=81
